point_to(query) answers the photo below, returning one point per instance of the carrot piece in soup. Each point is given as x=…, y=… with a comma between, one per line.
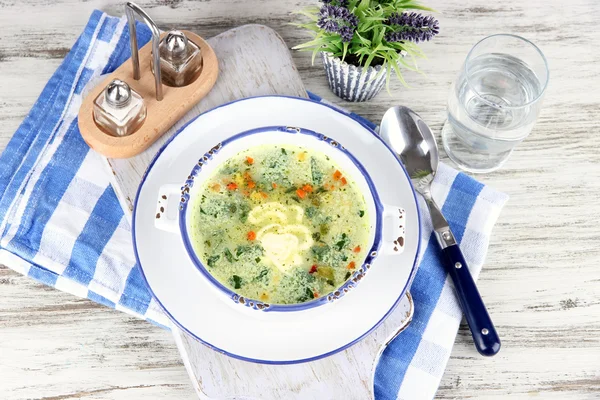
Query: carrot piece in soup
x=232, y=186
x=301, y=193
x=251, y=235
x=337, y=175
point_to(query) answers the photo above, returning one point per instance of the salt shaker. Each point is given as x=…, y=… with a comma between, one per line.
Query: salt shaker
x=118, y=109
x=180, y=59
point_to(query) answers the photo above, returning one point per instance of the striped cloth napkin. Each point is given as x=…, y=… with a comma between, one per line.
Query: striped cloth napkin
x=412, y=366
x=61, y=223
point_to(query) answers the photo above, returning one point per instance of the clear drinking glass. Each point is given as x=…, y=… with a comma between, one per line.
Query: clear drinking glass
x=494, y=102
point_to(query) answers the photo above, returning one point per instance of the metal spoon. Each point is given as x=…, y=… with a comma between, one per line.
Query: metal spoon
x=412, y=139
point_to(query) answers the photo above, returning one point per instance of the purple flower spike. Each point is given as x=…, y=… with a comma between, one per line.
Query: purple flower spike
x=346, y=33
x=329, y=25
x=337, y=19
x=412, y=27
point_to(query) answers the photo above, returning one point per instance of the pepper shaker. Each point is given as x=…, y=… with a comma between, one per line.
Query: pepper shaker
x=118, y=109
x=180, y=59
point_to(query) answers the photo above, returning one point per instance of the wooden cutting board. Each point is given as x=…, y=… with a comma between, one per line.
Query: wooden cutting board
x=254, y=60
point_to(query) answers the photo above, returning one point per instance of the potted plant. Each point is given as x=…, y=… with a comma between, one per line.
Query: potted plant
x=362, y=41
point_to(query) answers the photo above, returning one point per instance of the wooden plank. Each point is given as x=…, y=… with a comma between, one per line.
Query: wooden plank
x=541, y=276
x=57, y=346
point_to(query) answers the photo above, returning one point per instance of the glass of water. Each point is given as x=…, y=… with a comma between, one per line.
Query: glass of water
x=494, y=102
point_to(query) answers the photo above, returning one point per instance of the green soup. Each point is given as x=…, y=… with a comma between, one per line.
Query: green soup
x=282, y=225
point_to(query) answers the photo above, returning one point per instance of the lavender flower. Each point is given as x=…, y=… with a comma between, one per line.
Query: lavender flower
x=337, y=19
x=347, y=33
x=413, y=27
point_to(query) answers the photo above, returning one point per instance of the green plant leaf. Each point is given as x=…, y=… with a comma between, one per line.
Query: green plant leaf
x=336, y=44
x=375, y=18
x=414, y=6
x=363, y=40
x=362, y=6
x=396, y=68
x=380, y=36
x=388, y=73
x=369, y=60
x=314, y=55
x=310, y=13
x=414, y=67
x=384, y=47
x=310, y=27
x=312, y=43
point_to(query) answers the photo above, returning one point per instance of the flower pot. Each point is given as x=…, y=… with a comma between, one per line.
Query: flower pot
x=350, y=82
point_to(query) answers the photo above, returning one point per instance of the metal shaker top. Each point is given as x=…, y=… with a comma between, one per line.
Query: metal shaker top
x=118, y=93
x=176, y=45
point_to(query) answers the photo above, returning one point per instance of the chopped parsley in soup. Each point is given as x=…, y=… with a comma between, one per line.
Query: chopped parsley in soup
x=280, y=224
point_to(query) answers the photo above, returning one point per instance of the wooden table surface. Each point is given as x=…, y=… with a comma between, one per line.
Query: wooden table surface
x=541, y=281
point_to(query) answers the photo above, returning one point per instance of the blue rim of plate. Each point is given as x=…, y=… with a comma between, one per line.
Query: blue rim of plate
x=271, y=362
x=258, y=305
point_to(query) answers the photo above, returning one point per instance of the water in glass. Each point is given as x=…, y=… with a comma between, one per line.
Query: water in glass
x=492, y=106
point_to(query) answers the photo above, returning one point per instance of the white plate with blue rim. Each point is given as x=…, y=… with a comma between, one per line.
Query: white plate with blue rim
x=250, y=329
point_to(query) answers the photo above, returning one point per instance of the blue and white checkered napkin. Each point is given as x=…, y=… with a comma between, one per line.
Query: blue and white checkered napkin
x=61, y=223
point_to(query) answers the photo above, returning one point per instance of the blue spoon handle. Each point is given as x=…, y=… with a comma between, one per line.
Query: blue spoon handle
x=484, y=334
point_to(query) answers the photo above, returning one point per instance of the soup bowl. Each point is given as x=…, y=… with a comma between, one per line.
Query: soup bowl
x=386, y=222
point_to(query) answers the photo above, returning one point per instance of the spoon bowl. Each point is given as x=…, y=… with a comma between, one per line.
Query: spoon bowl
x=412, y=140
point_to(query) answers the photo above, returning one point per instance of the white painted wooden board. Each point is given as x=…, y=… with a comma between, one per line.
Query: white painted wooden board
x=541, y=281
x=254, y=60
x=345, y=375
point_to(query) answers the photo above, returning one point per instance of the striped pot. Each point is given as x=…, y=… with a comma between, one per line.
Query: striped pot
x=350, y=82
